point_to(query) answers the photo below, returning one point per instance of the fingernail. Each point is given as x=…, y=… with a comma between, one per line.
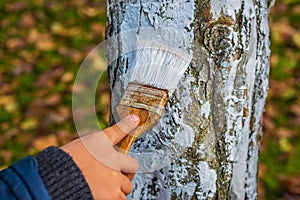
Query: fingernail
x=134, y=118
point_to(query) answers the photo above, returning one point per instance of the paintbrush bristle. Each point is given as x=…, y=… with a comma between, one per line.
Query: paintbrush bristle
x=159, y=65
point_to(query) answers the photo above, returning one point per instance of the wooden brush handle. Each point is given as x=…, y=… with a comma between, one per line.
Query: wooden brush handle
x=125, y=144
x=147, y=121
x=145, y=101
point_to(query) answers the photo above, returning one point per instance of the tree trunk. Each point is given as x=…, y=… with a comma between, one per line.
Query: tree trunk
x=206, y=145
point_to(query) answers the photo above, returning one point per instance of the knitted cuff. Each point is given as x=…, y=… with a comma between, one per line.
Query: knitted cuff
x=61, y=175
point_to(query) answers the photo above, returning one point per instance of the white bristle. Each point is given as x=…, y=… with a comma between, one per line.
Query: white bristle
x=159, y=65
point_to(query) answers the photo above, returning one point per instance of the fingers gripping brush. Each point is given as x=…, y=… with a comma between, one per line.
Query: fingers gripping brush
x=156, y=74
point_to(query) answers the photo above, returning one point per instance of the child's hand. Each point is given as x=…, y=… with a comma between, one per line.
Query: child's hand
x=103, y=167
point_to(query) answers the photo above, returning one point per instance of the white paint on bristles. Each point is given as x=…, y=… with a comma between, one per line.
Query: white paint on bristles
x=159, y=65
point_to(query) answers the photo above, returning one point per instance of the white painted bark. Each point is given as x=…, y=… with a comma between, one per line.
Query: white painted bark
x=206, y=145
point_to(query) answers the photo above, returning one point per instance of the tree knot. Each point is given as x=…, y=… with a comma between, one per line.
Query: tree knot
x=220, y=40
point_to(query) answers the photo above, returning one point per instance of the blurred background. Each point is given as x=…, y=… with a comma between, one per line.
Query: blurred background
x=44, y=42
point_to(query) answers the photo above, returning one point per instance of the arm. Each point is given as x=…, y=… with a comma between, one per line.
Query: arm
x=72, y=172
x=22, y=181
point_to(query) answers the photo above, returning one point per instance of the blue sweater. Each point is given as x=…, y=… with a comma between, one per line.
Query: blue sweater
x=52, y=174
x=22, y=181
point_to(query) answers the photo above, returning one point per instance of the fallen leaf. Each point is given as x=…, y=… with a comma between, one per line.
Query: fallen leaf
x=274, y=59
x=54, y=117
x=4, y=22
x=43, y=142
x=47, y=79
x=21, y=66
x=64, y=111
x=53, y=100
x=37, y=109
x=4, y=126
x=33, y=36
x=278, y=88
x=16, y=6
x=15, y=43
x=260, y=190
x=76, y=56
x=6, y=155
x=289, y=196
x=42, y=41
x=98, y=27
x=268, y=124
x=90, y=11
x=59, y=29
x=45, y=43
x=29, y=56
x=11, y=133
x=296, y=39
x=74, y=31
x=261, y=169
x=291, y=183
x=284, y=132
x=77, y=3
x=63, y=137
x=279, y=8
x=67, y=77
x=29, y=124
x=7, y=99
x=282, y=31
x=1, y=141
x=271, y=110
x=285, y=145
x=27, y=20
x=296, y=10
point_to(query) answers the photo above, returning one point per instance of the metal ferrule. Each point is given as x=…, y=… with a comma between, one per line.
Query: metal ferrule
x=145, y=97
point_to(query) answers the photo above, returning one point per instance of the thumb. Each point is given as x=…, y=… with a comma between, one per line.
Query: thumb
x=118, y=131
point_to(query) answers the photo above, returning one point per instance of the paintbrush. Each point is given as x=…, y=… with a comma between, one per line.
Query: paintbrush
x=156, y=74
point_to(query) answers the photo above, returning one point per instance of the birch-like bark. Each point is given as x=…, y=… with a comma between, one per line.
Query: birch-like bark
x=206, y=145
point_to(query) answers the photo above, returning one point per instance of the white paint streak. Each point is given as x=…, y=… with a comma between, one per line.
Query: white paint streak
x=205, y=109
x=131, y=17
x=164, y=15
x=208, y=178
x=186, y=137
x=189, y=188
x=151, y=161
x=227, y=7
x=240, y=167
